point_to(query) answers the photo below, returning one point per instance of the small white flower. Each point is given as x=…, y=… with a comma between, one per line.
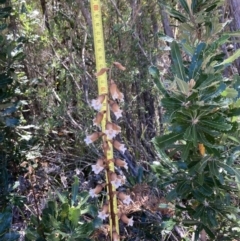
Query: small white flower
x=115, y=95
x=88, y=140
x=96, y=104
x=97, y=168
x=102, y=215
x=130, y=222
x=117, y=183
x=93, y=137
x=127, y=200
x=121, y=97
x=110, y=133
x=118, y=114
x=122, y=148
x=92, y=193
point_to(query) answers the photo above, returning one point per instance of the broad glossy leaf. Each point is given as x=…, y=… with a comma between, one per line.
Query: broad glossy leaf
x=234, y=139
x=196, y=62
x=216, y=124
x=205, y=81
x=166, y=140
x=214, y=93
x=229, y=60
x=185, y=6
x=208, y=231
x=183, y=188
x=154, y=72
x=170, y=104
x=211, y=217
x=231, y=170
x=172, y=195
x=176, y=14
x=234, y=34
x=182, y=85
x=198, y=195
x=233, y=112
x=187, y=48
x=230, y=93
x=177, y=66
x=199, y=211
x=186, y=150
x=213, y=167
x=191, y=134
x=202, y=139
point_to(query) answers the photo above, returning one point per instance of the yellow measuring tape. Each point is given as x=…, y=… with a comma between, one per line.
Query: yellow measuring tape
x=103, y=87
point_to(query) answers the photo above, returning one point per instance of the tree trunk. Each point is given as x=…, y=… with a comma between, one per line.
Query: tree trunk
x=235, y=25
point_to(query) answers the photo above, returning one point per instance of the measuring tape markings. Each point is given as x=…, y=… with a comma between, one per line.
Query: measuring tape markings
x=102, y=80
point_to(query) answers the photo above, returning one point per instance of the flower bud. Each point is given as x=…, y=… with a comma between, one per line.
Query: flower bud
x=128, y=221
x=93, y=137
x=121, y=163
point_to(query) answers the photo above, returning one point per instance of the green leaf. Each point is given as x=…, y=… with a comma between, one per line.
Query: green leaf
x=229, y=60
x=231, y=170
x=206, y=190
x=233, y=112
x=191, y=134
x=208, y=231
x=217, y=124
x=198, y=211
x=75, y=188
x=171, y=104
x=215, y=93
x=185, y=6
x=172, y=195
x=74, y=214
x=230, y=93
x=186, y=150
x=177, y=66
x=202, y=139
x=182, y=85
x=213, y=167
x=234, y=34
x=197, y=61
x=154, y=72
x=187, y=48
x=176, y=14
x=233, y=138
x=164, y=141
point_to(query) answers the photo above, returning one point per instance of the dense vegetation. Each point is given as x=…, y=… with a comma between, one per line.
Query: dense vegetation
x=180, y=120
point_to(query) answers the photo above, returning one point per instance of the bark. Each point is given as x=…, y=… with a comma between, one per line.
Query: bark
x=165, y=21
x=235, y=25
x=86, y=14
